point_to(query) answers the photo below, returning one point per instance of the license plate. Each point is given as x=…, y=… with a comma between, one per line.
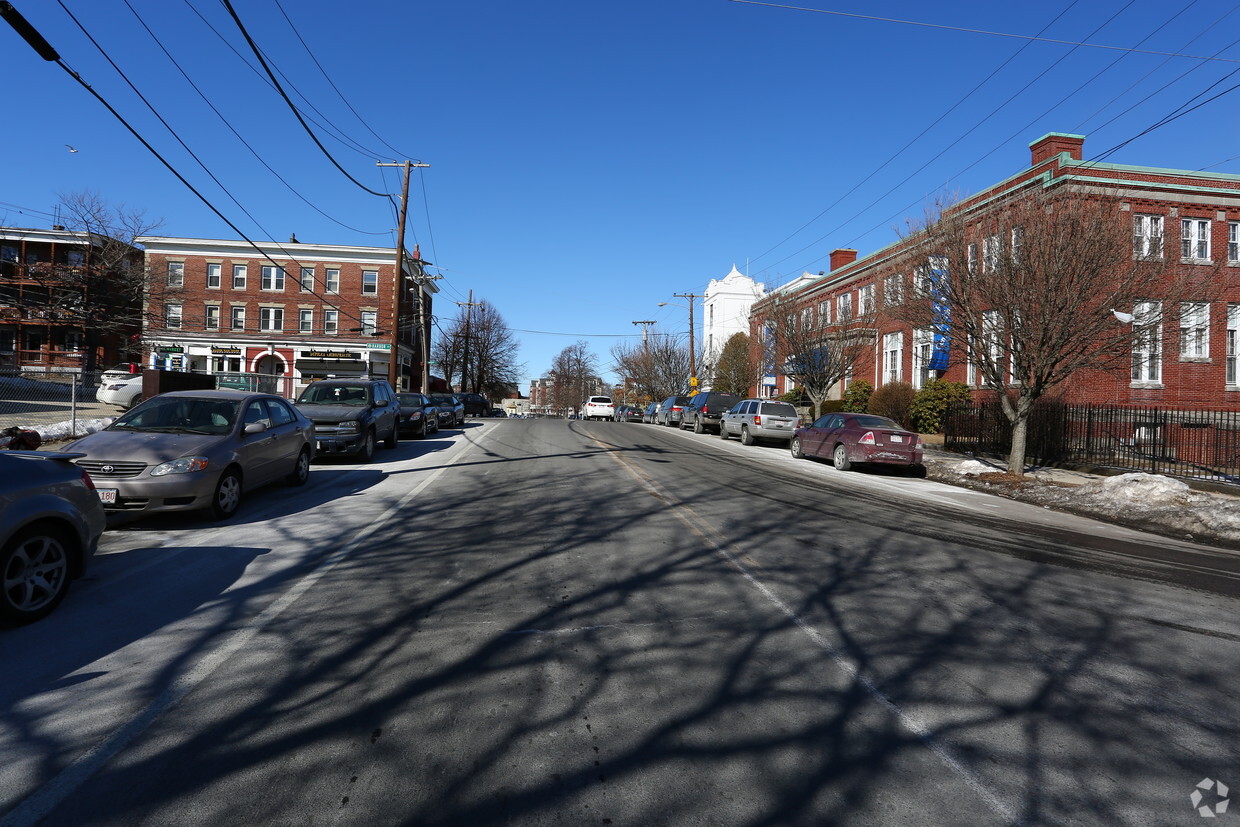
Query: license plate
x=897, y=438
x=107, y=496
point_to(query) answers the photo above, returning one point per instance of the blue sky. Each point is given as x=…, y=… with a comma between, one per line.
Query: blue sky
x=589, y=158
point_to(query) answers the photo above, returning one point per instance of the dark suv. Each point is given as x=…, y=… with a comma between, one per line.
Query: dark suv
x=351, y=415
x=704, y=409
x=475, y=404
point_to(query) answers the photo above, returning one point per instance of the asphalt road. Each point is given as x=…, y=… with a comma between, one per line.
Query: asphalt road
x=536, y=622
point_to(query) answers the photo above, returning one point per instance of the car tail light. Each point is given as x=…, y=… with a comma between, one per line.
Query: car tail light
x=867, y=439
x=919, y=445
x=86, y=479
x=757, y=419
x=677, y=408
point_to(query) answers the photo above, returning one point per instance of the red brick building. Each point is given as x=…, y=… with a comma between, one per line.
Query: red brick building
x=1181, y=219
x=294, y=312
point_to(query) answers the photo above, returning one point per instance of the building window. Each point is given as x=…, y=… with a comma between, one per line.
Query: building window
x=176, y=274
x=1195, y=239
x=370, y=282
x=172, y=316
x=369, y=317
x=893, y=352
x=273, y=278
x=333, y=281
x=331, y=321
x=238, y=318
x=1018, y=241
x=893, y=289
x=923, y=349
x=1147, y=236
x=992, y=340
x=807, y=319
x=865, y=300
x=305, y=321
x=271, y=318
x=239, y=271
x=75, y=258
x=220, y=364
x=990, y=254
x=213, y=317
x=824, y=313
x=843, y=307
x=1194, y=330
x=1233, y=242
x=972, y=258
x=214, y=272
x=1146, y=342
x=307, y=279
x=9, y=253
x=1233, y=342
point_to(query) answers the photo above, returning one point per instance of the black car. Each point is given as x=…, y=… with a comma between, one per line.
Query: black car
x=351, y=415
x=451, y=409
x=704, y=409
x=419, y=416
x=475, y=404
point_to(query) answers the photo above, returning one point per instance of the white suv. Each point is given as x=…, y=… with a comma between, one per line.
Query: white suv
x=598, y=407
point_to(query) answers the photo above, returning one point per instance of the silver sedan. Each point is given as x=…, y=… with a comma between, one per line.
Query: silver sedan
x=197, y=450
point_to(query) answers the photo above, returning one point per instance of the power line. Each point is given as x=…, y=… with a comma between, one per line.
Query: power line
x=986, y=32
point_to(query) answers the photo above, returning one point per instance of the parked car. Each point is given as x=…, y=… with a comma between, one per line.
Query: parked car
x=50, y=522
x=705, y=409
x=651, y=412
x=197, y=450
x=475, y=404
x=120, y=386
x=419, y=416
x=632, y=414
x=620, y=412
x=852, y=438
x=670, y=410
x=598, y=408
x=351, y=415
x=451, y=410
x=754, y=419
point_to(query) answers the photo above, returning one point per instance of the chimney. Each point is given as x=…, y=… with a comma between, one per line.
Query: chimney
x=1053, y=143
x=842, y=257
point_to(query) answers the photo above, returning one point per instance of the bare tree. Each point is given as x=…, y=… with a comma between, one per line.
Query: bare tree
x=735, y=371
x=575, y=370
x=658, y=367
x=1027, y=290
x=493, y=369
x=818, y=346
x=103, y=288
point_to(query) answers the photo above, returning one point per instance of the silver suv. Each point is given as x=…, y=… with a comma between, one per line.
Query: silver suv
x=754, y=419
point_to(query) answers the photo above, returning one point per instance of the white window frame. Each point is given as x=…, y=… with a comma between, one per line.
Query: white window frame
x=990, y=253
x=1194, y=330
x=1147, y=343
x=1018, y=242
x=923, y=351
x=305, y=321
x=331, y=322
x=240, y=274
x=271, y=319
x=370, y=322
x=307, y=279
x=992, y=340
x=370, y=282
x=236, y=318
x=824, y=313
x=1233, y=242
x=173, y=316
x=1233, y=345
x=865, y=299
x=893, y=357
x=843, y=307
x=1195, y=239
x=176, y=274
x=272, y=278
x=971, y=258
x=331, y=280
x=212, y=317
x=1147, y=236
x=893, y=289
x=215, y=276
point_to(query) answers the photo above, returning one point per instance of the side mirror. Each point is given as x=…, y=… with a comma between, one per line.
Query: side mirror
x=254, y=428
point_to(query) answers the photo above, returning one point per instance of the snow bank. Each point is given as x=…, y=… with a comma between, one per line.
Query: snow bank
x=64, y=430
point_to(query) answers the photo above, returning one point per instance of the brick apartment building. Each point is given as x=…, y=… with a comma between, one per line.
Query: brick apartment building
x=1183, y=219
x=60, y=307
x=296, y=312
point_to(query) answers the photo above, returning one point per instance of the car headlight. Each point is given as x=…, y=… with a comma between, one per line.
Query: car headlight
x=349, y=425
x=184, y=465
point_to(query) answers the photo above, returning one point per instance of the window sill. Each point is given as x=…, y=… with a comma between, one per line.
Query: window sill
x=1146, y=386
x=1196, y=261
x=1196, y=360
x=1231, y=388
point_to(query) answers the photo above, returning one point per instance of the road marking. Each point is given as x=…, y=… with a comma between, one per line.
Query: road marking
x=40, y=804
x=686, y=514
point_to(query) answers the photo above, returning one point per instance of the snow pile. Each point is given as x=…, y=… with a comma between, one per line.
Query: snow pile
x=971, y=466
x=65, y=430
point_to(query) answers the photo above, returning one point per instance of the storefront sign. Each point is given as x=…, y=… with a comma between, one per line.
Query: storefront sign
x=225, y=351
x=330, y=354
x=171, y=349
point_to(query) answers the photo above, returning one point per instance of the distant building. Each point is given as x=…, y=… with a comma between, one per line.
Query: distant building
x=725, y=310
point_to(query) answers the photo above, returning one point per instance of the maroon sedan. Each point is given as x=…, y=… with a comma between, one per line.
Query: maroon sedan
x=848, y=438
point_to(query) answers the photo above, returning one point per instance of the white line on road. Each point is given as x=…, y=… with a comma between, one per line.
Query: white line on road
x=37, y=806
x=911, y=723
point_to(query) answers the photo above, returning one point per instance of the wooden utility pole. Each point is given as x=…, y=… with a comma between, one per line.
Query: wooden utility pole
x=398, y=278
x=469, y=308
x=693, y=380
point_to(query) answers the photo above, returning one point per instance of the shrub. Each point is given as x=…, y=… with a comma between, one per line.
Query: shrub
x=857, y=396
x=892, y=400
x=831, y=406
x=793, y=397
x=928, y=412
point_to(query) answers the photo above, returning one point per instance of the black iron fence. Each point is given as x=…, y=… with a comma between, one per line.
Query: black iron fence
x=1200, y=444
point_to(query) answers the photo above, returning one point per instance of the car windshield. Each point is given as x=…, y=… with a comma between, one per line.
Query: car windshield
x=443, y=400
x=778, y=409
x=410, y=399
x=354, y=395
x=180, y=414
x=876, y=422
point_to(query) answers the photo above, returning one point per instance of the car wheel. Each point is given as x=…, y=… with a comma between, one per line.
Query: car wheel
x=301, y=471
x=227, y=495
x=840, y=458
x=795, y=448
x=393, y=438
x=723, y=432
x=135, y=402
x=697, y=426
x=746, y=437
x=34, y=574
x=367, y=452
